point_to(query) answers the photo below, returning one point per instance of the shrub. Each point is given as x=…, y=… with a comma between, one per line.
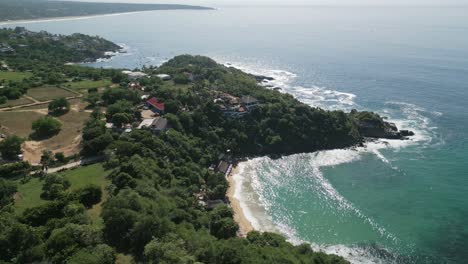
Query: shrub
x=46, y=126
x=90, y=195
x=59, y=106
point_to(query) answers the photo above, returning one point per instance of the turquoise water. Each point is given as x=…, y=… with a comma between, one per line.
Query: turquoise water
x=394, y=202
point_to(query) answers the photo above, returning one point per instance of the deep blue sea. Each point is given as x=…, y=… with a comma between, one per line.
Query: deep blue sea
x=390, y=202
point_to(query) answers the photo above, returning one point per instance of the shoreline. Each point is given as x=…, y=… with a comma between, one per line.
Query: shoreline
x=66, y=18
x=238, y=212
x=70, y=18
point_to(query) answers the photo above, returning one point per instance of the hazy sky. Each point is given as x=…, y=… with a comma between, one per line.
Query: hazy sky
x=297, y=2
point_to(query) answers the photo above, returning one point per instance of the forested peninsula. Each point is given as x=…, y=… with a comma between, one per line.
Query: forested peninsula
x=39, y=9
x=155, y=192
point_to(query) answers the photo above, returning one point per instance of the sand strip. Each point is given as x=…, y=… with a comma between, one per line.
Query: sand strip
x=244, y=224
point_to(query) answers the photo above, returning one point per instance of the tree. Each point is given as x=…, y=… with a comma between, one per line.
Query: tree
x=181, y=79
x=54, y=187
x=46, y=126
x=59, y=106
x=222, y=224
x=90, y=195
x=169, y=251
x=93, y=99
x=47, y=157
x=120, y=119
x=68, y=240
x=59, y=156
x=7, y=189
x=10, y=148
x=101, y=254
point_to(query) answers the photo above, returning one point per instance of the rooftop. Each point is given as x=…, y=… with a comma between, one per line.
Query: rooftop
x=156, y=104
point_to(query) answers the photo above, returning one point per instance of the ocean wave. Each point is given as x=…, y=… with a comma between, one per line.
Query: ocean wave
x=267, y=177
x=278, y=173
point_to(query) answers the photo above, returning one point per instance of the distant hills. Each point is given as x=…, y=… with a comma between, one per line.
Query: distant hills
x=37, y=9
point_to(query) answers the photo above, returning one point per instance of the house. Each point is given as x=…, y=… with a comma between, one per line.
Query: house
x=164, y=77
x=109, y=125
x=135, y=75
x=5, y=48
x=224, y=167
x=135, y=86
x=249, y=102
x=155, y=106
x=157, y=125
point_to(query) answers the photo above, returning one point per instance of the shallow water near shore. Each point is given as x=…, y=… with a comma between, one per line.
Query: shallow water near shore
x=390, y=202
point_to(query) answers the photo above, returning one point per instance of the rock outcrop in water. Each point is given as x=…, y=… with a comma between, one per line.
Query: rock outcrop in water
x=372, y=125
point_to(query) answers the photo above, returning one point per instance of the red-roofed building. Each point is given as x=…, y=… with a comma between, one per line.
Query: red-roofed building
x=155, y=106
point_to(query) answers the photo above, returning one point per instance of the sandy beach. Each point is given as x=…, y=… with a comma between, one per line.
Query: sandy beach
x=244, y=225
x=66, y=18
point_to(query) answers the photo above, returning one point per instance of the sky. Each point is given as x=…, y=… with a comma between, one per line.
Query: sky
x=294, y=2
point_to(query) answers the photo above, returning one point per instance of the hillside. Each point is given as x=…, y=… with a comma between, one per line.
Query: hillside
x=158, y=197
x=37, y=9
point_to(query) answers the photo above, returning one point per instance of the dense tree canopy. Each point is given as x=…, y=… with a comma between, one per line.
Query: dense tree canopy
x=10, y=147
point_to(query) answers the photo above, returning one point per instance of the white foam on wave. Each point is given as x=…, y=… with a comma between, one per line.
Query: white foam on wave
x=256, y=198
x=404, y=115
x=315, y=96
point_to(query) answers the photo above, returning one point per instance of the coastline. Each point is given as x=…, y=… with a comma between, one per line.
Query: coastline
x=238, y=213
x=66, y=18
x=69, y=18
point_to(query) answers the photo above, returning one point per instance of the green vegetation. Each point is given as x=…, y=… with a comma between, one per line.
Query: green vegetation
x=13, y=76
x=59, y=106
x=34, y=9
x=46, y=127
x=10, y=148
x=145, y=206
x=88, y=84
x=29, y=193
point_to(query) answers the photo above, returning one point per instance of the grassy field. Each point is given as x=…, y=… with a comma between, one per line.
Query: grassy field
x=183, y=88
x=18, y=123
x=29, y=195
x=48, y=93
x=14, y=76
x=21, y=101
x=30, y=192
x=88, y=84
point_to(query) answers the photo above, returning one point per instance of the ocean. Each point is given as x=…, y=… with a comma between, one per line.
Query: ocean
x=388, y=202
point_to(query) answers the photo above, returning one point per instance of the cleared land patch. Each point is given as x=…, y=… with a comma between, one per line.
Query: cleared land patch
x=14, y=76
x=18, y=123
x=88, y=84
x=29, y=194
x=49, y=93
x=67, y=141
x=20, y=101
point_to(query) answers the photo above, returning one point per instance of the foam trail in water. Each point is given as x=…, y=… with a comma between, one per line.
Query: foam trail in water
x=278, y=177
x=405, y=116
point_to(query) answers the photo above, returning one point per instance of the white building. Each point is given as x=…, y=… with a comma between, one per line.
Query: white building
x=164, y=77
x=135, y=75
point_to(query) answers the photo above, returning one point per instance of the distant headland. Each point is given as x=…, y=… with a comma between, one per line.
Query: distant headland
x=11, y=10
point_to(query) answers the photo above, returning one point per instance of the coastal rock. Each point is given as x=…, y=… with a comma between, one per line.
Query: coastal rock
x=261, y=78
x=377, y=129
